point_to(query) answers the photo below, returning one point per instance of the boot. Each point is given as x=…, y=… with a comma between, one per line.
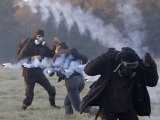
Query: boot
x=23, y=107
x=52, y=103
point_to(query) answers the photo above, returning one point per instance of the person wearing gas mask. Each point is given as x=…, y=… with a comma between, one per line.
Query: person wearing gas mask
x=36, y=48
x=121, y=91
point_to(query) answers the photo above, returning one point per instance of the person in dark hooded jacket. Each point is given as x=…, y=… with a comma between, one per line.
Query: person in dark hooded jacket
x=35, y=48
x=121, y=91
x=74, y=83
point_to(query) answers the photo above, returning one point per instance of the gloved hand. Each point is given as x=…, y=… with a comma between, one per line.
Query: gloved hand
x=147, y=60
x=51, y=71
x=60, y=76
x=48, y=72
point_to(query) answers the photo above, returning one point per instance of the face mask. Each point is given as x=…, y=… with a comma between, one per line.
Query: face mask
x=126, y=73
x=43, y=42
x=41, y=39
x=127, y=69
x=36, y=42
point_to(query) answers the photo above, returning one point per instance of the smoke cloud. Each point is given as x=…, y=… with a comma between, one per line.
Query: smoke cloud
x=133, y=23
x=105, y=34
x=66, y=65
x=29, y=64
x=16, y=65
x=63, y=64
x=10, y=65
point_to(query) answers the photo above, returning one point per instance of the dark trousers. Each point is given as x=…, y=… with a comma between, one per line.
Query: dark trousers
x=74, y=86
x=33, y=76
x=129, y=115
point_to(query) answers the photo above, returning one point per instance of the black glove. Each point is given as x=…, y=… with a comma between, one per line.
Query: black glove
x=60, y=79
x=51, y=74
x=147, y=59
x=60, y=76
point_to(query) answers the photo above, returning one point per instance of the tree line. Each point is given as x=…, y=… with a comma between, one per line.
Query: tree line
x=16, y=25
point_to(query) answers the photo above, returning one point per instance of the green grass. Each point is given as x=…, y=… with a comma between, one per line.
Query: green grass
x=12, y=95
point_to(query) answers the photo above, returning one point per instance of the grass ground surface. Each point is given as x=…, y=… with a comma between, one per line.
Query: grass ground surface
x=12, y=94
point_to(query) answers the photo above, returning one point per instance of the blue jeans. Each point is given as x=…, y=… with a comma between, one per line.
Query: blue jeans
x=74, y=86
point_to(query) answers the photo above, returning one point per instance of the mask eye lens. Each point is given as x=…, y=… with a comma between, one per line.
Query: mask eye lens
x=130, y=65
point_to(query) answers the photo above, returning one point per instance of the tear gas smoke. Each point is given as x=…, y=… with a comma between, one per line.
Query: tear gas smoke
x=66, y=65
x=29, y=64
x=10, y=65
x=133, y=22
x=45, y=62
x=106, y=34
x=16, y=65
x=62, y=64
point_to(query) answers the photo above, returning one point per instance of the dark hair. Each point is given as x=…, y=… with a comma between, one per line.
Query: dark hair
x=39, y=32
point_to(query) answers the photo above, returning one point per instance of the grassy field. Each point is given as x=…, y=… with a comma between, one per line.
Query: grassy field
x=12, y=94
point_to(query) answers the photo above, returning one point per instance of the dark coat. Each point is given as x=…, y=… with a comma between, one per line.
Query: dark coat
x=104, y=65
x=30, y=49
x=77, y=55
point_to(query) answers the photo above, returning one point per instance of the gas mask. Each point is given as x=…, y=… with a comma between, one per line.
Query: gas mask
x=36, y=42
x=126, y=73
x=39, y=40
x=127, y=69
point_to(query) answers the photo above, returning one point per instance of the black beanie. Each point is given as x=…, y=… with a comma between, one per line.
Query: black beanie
x=40, y=32
x=127, y=54
x=130, y=57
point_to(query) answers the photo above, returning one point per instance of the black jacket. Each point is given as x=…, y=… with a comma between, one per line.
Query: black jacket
x=77, y=55
x=104, y=65
x=30, y=49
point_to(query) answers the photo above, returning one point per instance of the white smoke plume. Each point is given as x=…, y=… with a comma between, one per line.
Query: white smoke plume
x=10, y=65
x=46, y=62
x=66, y=65
x=133, y=22
x=107, y=35
x=63, y=64
x=15, y=65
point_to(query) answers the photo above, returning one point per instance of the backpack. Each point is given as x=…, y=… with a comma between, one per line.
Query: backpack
x=21, y=45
